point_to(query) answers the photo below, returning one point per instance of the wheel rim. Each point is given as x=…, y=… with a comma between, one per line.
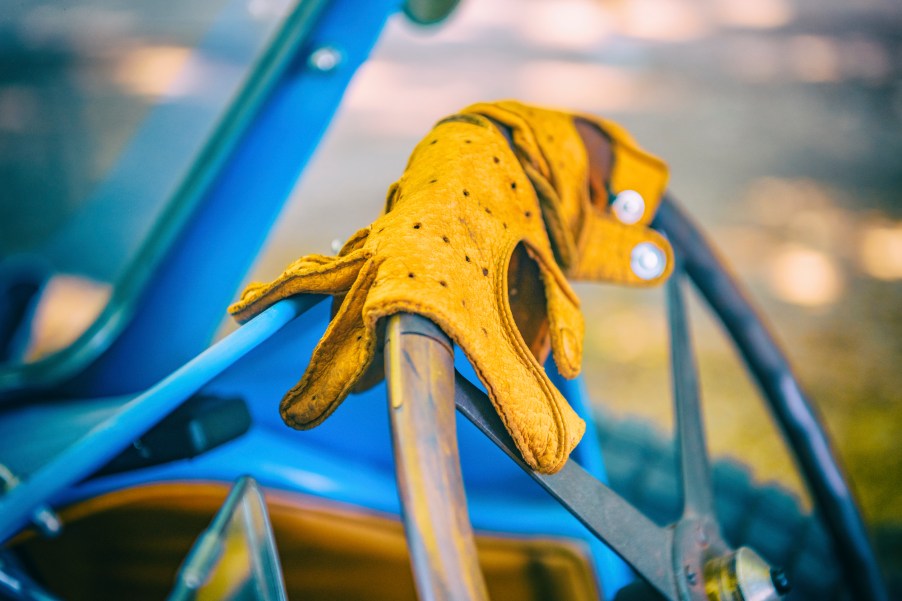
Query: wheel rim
x=688, y=560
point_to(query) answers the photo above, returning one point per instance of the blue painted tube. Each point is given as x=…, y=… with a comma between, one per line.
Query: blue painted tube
x=239, y=208
x=114, y=434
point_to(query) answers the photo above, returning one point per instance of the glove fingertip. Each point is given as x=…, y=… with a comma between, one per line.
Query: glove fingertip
x=555, y=455
x=568, y=357
x=241, y=312
x=303, y=409
x=247, y=298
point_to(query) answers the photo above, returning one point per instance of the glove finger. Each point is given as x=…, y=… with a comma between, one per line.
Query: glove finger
x=543, y=425
x=626, y=254
x=315, y=274
x=545, y=310
x=565, y=319
x=339, y=360
x=526, y=294
x=375, y=373
x=541, y=422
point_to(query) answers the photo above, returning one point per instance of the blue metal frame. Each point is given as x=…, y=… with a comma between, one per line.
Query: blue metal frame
x=183, y=278
x=193, y=286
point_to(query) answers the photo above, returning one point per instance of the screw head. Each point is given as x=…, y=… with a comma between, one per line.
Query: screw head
x=325, y=59
x=781, y=581
x=691, y=577
x=648, y=261
x=629, y=206
x=47, y=521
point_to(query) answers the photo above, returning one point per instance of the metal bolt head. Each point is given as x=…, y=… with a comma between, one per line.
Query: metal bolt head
x=691, y=577
x=325, y=59
x=629, y=207
x=742, y=574
x=648, y=261
x=781, y=581
x=47, y=521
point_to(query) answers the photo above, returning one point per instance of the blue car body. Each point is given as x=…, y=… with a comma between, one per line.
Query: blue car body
x=66, y=417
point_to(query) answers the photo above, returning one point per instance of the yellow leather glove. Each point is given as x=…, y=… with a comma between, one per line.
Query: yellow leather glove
x=597, y=189
x=462, y=242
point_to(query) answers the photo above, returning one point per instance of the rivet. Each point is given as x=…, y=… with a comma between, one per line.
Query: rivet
x=325, y=59
x=629, y=206
x=47, y=521
x=691, y=576
x=780, y=581
x=648, y=261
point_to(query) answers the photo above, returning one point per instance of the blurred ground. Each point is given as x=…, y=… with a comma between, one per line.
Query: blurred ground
x=781, y=121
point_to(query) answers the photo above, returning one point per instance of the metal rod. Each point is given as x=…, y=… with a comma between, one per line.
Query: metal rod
x=635, y=538
x=697, y=494
x=90, y=452
x=794, y=412
x=419, y=368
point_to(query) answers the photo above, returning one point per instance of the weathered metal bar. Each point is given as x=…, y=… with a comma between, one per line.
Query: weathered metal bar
x=698, y=498
x=635, y=538
x=794, y=412
x=419, y=369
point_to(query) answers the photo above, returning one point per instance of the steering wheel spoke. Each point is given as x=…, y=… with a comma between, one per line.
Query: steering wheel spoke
x=419, y=363
x=627, y=531
x=698, y=498
x=796, y=416
x=419, y=370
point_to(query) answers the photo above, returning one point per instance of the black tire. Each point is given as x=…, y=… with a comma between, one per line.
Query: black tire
x=642, y=467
